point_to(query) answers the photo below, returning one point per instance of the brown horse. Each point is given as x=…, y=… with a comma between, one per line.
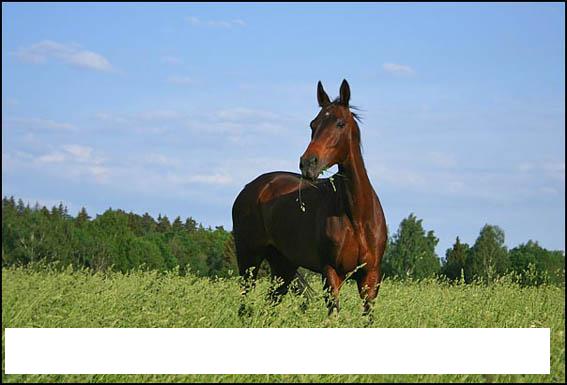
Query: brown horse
x=332, y=226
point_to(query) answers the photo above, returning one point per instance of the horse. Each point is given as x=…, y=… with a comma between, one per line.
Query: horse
x=333, y=226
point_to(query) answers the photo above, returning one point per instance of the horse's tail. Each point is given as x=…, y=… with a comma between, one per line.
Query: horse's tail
x=304, y=287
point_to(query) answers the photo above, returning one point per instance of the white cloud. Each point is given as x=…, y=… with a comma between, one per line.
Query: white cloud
x=239, y=22
x=142, y=116
x=245, y=169
x=196, y=22
x=219, y=24
x=100, y=173
x=401, y=69
x=241, y=124
x=486, y=186
x=160, y=160
x=112, y=118
x=555, y=170
x=399, y=176
x=69, y=161
x=79, y=152
x=234, y=124
x=526, y=166
x=215, y=179
x=550, y=169
x=54, y=157
x=71, y=54
x=476, y=182
x=39, y=124
x=144, y=122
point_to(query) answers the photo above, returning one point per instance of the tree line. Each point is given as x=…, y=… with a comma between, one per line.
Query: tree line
x=411, y=254
x=124, y=241
x=114, y=240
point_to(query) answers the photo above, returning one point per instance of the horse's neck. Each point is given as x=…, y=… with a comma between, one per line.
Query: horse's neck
x=359, y=192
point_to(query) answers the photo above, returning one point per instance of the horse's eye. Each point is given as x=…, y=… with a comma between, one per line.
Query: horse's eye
x=340, y=123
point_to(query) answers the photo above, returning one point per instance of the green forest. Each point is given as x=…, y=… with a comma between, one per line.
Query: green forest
x=120, y=241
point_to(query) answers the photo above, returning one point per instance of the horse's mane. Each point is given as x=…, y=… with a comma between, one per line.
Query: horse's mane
x=356, y=116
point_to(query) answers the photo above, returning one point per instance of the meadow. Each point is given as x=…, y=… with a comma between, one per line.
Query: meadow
x=46, y=297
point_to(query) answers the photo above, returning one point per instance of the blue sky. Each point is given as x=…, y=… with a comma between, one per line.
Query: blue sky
x=173, y=108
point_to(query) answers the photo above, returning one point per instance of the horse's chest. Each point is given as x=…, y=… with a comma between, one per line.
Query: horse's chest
x=343, y=243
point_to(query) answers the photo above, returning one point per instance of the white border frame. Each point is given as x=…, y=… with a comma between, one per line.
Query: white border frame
x=277, y=351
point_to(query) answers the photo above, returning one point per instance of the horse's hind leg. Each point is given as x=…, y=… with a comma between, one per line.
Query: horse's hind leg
x=282, y=271
x=249, y=261
x=248, y=264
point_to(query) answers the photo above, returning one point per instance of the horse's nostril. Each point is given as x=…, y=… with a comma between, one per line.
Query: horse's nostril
x=313, y=160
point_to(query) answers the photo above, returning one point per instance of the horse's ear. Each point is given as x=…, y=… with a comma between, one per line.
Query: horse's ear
x=344, y=93
x=322, y=96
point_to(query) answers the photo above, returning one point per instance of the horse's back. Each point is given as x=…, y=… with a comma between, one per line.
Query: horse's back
x=284, y=211
x=257, y=191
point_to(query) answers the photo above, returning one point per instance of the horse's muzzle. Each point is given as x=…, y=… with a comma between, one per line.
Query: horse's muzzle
x=309, y=167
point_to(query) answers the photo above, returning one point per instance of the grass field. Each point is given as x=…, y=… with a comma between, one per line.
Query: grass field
x=47, y=298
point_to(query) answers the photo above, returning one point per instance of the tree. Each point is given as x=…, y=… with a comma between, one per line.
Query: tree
x=488, y=258
x=411, y=252
x=455, y=259
x=163, y=224
x=135, y=224
x=177, y=225
x=216, y=249
x=21, y=206
x=8, y=203
x=535, y=265
x=148, y=223
x=190, y=225
x=44, y=211
x=229, y=252
x=82, y=217
x=62, y=211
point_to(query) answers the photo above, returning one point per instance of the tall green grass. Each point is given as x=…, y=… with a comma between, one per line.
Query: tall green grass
x=50, y=298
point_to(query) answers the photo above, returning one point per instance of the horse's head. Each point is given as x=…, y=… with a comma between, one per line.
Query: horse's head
x=332, y=131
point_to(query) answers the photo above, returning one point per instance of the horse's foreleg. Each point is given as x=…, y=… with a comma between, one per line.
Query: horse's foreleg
x=332, y=285
x=368, y=285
